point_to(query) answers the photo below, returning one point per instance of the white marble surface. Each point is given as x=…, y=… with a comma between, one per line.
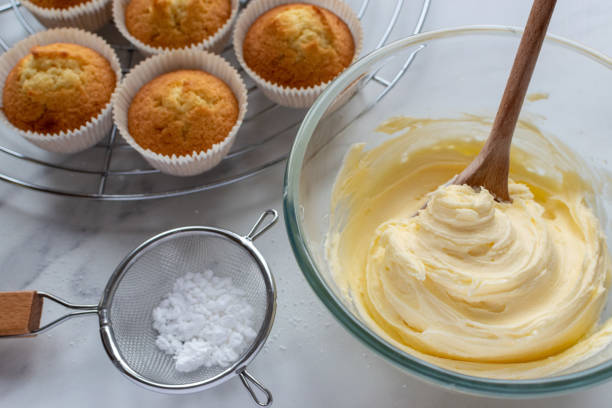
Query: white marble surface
x=70, y=247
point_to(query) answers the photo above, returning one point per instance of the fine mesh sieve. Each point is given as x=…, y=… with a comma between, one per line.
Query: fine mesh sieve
x=144, y=278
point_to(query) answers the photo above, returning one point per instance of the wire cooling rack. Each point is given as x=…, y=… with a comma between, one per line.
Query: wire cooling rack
x=112, y=170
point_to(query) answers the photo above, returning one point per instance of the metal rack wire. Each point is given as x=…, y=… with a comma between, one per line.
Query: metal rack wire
x=112, y=170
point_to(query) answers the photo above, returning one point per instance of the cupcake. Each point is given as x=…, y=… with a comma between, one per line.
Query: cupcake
x=57, y=4
x=181, y=110
x=86, y=14
x=159, y=25
x=298, y=46
x=292, y=50
x=57, y=88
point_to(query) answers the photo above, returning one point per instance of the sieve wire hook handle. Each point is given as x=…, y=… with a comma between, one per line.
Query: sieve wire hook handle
x=249, y=381
x=20, y=313
x=266, y=220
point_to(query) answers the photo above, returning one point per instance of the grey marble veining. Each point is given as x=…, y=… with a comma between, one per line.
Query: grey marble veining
x=70, y=247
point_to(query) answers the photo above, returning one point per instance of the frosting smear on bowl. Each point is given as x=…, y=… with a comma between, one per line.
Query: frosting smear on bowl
x=503, y=290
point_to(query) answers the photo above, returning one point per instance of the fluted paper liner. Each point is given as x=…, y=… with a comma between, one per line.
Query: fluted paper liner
x=97, y=127
x=90, y=16
x=157, y=65
x=286, y=96
x=214, y=43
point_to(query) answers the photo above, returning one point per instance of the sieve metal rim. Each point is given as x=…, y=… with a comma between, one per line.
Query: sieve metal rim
x=238, y=368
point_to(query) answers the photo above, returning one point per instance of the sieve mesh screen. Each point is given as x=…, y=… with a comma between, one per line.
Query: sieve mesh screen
x=150, y=276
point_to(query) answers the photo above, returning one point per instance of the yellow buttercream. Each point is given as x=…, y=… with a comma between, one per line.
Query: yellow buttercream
x=503, y=290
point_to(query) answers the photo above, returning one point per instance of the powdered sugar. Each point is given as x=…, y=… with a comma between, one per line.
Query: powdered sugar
x=204, y=321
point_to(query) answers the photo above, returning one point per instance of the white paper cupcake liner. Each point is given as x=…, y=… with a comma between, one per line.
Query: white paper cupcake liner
x=291, y=97
x=97, y=127
x=160, y=64
x=90, y=16
x=214, y=43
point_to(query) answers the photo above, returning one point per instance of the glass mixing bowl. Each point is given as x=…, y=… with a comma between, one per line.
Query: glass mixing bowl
x=449, y=72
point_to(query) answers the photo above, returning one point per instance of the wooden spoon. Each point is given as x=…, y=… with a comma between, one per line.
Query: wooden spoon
x=490, y=168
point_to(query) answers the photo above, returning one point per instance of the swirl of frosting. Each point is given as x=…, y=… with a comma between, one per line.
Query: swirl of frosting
x=473, y=279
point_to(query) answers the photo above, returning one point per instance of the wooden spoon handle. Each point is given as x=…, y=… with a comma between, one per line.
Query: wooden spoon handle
x=522, y=69
x=19, y=312
x=491, y=167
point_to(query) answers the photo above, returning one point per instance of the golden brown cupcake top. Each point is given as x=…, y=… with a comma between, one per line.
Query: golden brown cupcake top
x=175, y=23
x=57, y=87
x=58, y=4
x=182, y=112
x=298, y=45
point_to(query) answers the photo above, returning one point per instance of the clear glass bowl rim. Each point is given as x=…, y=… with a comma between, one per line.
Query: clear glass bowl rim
x=424, y=370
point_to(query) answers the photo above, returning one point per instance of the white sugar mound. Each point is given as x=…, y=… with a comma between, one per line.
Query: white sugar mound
x=204, y=321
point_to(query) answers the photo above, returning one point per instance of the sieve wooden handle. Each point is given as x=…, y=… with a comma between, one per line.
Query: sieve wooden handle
x=19, y=312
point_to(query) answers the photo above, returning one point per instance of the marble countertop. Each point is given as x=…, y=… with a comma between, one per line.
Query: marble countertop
x=70, y=247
